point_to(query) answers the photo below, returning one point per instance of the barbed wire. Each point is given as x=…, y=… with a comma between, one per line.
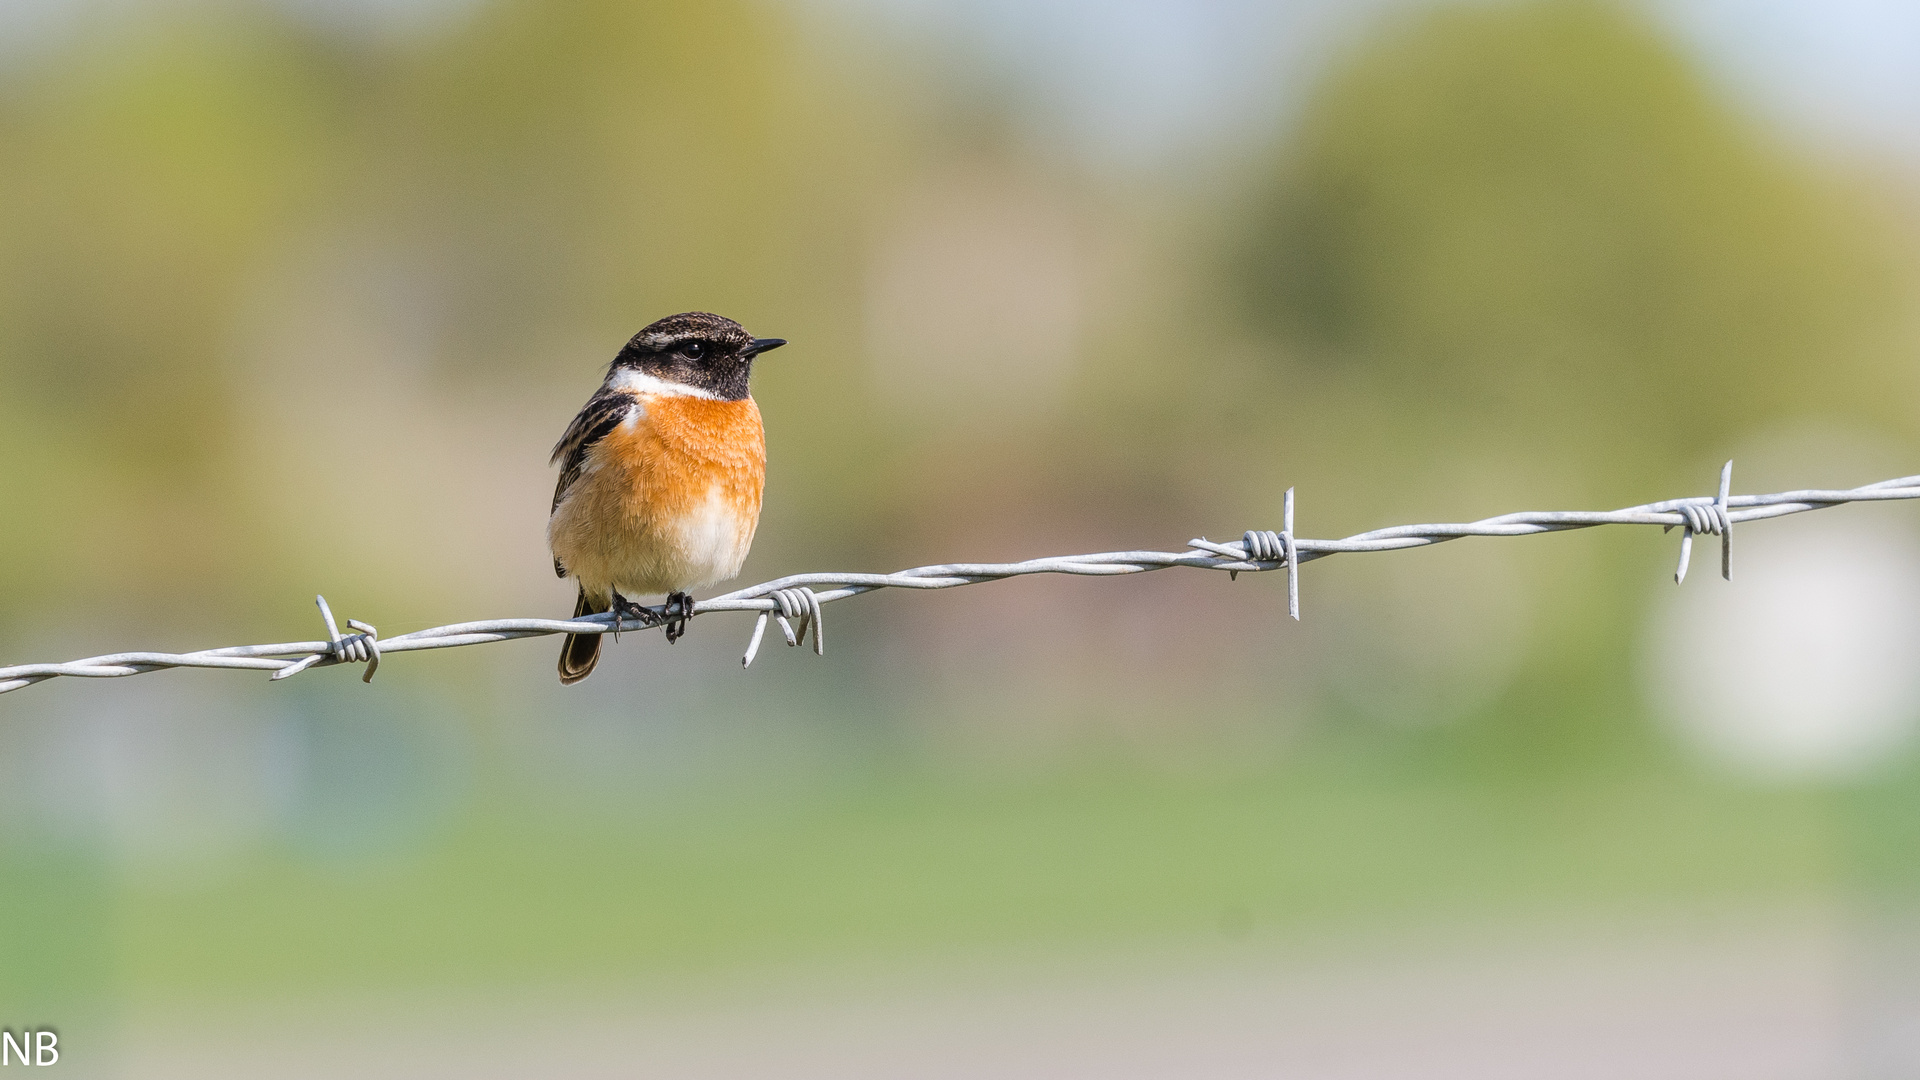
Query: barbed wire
x=795, y=602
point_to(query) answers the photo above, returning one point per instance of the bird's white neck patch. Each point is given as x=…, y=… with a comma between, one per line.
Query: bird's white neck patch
x=637, y=382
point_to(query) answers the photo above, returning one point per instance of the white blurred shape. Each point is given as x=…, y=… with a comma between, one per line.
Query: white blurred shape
x=1805, y=664
x=1845, y=69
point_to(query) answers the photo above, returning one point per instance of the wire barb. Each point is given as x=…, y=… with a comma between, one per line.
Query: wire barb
x=1711, y=517
x=801, y=604
x=1266, y=546
x=1726, y=523
x=360, y=648
x=1293, y=562
x=800, y=597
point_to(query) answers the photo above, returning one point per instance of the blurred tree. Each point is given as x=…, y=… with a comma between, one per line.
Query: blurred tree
x=1537, y=220
x=593, y=163
x=151, y=171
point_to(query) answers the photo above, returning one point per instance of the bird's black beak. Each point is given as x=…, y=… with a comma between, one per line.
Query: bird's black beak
x=762, y=344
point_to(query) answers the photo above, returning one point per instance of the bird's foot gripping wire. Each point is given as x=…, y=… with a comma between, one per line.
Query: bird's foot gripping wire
x=624, y=609
x=679, y=609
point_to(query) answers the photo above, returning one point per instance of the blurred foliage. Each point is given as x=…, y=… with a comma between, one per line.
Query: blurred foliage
x=151, y=173
x=1538, y=220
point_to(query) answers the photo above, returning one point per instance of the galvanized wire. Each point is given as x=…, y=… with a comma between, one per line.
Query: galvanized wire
x=798, y=599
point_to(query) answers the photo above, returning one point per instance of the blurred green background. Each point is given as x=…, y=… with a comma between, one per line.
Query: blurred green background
x=295, y=297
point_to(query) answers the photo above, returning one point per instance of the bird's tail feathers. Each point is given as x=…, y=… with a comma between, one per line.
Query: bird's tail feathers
x=581, y=651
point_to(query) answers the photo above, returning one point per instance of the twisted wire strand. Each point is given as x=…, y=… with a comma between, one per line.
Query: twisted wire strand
x=795, y=601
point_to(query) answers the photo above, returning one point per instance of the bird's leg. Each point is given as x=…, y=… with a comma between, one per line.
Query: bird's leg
x=619, y=609
x=679, y=609
x=624, y=608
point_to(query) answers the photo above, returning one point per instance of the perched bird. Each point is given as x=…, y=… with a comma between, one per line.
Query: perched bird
x=660, y=476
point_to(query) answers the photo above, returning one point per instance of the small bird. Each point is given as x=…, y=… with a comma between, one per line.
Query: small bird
x=660, y=477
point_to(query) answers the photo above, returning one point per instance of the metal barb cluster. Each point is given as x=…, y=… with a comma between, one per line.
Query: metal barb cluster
x=795, y=602
x=802, y=604
x=1711, y=518
x=361, y=648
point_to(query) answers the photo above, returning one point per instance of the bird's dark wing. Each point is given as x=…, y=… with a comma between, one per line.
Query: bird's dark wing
x=602, y=413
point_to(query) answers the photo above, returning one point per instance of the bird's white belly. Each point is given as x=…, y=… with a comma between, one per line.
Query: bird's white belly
x=707, y=544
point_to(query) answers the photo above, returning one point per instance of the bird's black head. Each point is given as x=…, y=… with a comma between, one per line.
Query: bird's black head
x=696, y=350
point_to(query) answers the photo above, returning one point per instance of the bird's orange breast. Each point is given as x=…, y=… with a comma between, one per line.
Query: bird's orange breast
x=680, y=448
x=669, y=499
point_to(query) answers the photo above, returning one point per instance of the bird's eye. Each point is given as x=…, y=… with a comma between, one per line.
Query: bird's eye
x=693, y=350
